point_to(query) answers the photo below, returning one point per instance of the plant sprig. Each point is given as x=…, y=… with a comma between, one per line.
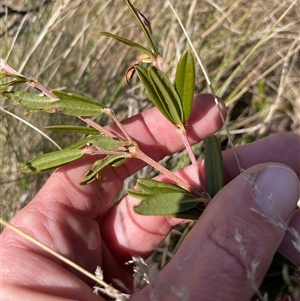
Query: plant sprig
x=174, y=101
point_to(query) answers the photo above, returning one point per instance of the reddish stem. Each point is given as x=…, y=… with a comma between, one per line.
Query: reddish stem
x=137, y=153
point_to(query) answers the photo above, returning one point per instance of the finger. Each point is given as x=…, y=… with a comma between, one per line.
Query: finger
x=142, y=233
x=282, y=148
x=227, y=253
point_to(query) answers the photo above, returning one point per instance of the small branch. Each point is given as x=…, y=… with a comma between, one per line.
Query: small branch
x=137, y=153
x=97, y=127
x=184, y=138
x=210, y=86
x=9, y=71
x=112, y=115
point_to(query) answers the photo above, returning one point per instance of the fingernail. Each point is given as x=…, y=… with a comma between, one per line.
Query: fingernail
x=276, y=191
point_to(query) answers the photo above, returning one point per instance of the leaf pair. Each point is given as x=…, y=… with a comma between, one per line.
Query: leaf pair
x=214, y=170
x=111, y=148
x=168, y=199
x=165, y=199
x=146, y=27
x=67, y=103
x=173, y=101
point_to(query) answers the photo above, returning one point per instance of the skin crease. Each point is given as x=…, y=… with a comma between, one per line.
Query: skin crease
x=77, y=221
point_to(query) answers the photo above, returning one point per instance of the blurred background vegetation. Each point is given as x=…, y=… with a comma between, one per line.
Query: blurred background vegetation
x=250, y=50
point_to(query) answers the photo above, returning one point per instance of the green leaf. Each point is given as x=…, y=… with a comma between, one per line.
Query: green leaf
x=167, y=95
x=109, y=160
x=52, y=160
x=83, y=142
x=74, y=104
x=167, y=204
x=185, y=83
x=143, y=26
x=102, y=142
x=127, y=42
x=144, y=77
x=146, y=188
x=213, y=165
x=29, y=100
x=10, y=84
x=107, y=143
x=64, y=95
x=159, y=198
x=72, y=128
x=69, y=107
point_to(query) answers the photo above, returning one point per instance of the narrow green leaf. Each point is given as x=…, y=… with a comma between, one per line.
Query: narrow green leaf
x=29, y=100
x=213, y=165
x=52, y=160
x=185, y=83
x=166, y=204
x=146, y=188
x=144, y=77
x=103, y=142
x=72, y=128
x=127, y=42
x=143, y=26
x=119, y=162
x=167, y=94
x=83, y=142
x=64, y=95
x=74, y=104
x=10, y=84
x=151, y=185
x=107, y=143
x=94, y=173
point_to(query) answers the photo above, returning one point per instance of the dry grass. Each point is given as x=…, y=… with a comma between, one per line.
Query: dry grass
x=250, y=49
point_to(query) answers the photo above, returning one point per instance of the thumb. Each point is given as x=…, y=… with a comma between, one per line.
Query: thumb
x=227, y=253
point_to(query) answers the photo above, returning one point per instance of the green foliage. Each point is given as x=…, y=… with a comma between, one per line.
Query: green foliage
x=214, y=170
x=94, y=173
x=185, y=83
x=52, y=160
x=145, y=26
x=160, y=198
x=72, y=128
x=73, y=104
x=146, y=81
x=174, y=101
x=31, y=101
x=167, y=95
x=127, y=42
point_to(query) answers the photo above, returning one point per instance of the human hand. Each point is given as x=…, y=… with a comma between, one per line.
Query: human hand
x=76, y=221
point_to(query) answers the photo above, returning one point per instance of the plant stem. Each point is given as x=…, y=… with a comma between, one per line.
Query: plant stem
x=187, y=145
x=112, y=115
x=98, y=127
x=137, y=153
x=210, y=86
